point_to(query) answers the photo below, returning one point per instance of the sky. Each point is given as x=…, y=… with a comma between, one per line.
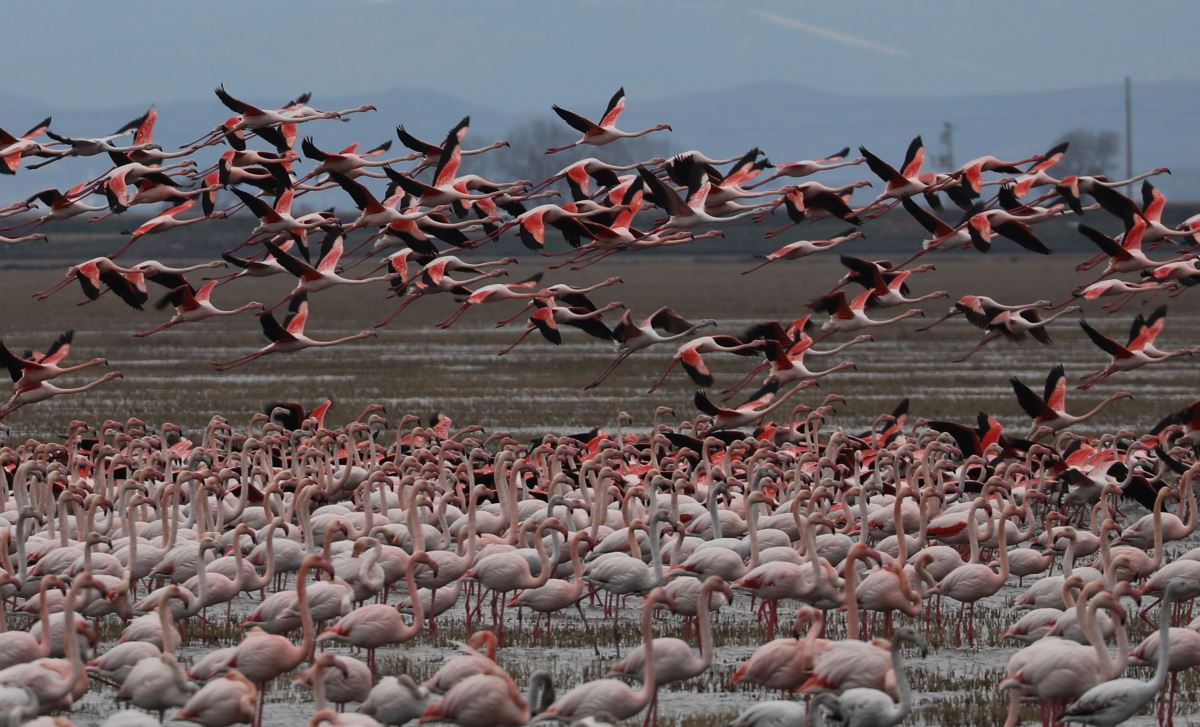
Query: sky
x=529, y=53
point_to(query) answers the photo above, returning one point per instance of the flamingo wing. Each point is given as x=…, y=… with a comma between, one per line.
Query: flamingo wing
x=615, y=106
x=1055, y=394
x=1105, y=343
x=236, y=105
x=1031, y=403
x=577, y=122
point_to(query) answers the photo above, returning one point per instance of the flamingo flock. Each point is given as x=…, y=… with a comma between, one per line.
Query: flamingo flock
x=322, y=550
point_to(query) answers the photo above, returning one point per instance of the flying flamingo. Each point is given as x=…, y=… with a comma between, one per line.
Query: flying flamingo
x=91, y=146
x=604, y=132
x=277, y=218
x=548, y=316
x=12, y=148
x=851, y=315
x=432, y=284
x=165, y=222
x=259, y=120
x=31, y=393
x=494, y=293
x=193, y=305
x=289, y=337
x=904, y=183
x=661, y=326
x=1016, y=325
x=314, y=279
x=374, y=213
x=36, y=368
x=690, y=356
x=683, y=216
x=749, y=413
x=812, y=201
x=1049, y=410
x=1137, y=352
x=432, y=153
x=971, y=173
x=349, y=161
x=804, y=248
x=1125, y=256
x=836, y=160
x=62, y=206
x=1122, y=289
x=980, y=310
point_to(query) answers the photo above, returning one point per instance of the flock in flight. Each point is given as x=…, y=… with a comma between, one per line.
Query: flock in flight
x=318, y=526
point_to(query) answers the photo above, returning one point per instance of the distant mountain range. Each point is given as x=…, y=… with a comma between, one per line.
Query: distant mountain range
x=786, y=120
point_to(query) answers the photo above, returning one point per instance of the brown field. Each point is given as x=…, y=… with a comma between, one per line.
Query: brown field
x=415, y=368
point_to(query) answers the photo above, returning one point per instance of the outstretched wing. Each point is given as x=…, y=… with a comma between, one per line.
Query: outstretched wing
x=616, y=105
x=575, y=121
x=1030, y=402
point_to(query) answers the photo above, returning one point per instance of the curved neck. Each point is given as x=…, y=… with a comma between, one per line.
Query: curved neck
x=705, y=624
x=1164, y=651
x=306, y=620
x=410, y=630
x=649, y=686
x=901, y=710
x=850, y=597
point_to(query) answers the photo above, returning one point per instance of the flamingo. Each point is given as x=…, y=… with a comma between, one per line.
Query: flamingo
x=674, y=660
x=1137, y=352
x=260, y=657
x=1016, y=325
x=31, y=393
x=321, y=277
x=804, y=248
x=837, y=160
x=1113, y=702
x=431, y=153
x=862, y=706
x=227, y=700
x=690, y=356
x=605, y=131
x=661, y=326
x=193, y=305
x=847, y=316
x=289, y=337
x=379, y=624
x=1049, y=410
x=613, y=695
x=749, y=413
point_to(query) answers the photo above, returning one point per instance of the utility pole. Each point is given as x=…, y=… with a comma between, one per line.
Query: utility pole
x=947, y=139
x=1128, y=132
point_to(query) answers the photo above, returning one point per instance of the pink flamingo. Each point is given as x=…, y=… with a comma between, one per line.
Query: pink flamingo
x=379, y=624
x=604, y=132
x=613, y=695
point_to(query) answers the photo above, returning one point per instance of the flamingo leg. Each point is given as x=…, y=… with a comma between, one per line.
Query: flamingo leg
x=514, y=344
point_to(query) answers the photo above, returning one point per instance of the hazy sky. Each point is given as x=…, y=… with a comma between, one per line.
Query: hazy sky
x=525, y=53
